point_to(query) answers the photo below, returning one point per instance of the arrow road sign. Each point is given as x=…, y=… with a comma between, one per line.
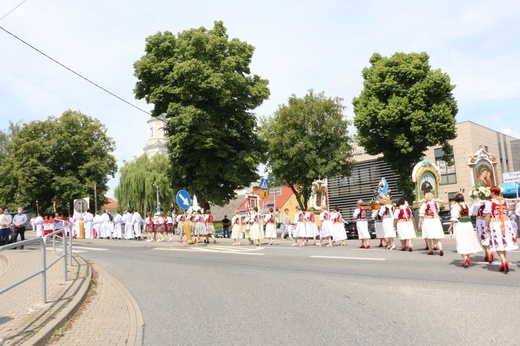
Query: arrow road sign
x=264, y=184
x=183, y=199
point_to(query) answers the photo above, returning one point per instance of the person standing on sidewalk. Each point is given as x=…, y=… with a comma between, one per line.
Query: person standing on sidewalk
x=225, y=226
x=5, y=226
x=19, y=221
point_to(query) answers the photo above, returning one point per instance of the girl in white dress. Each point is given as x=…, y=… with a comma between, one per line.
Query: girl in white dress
x=503, y=237
x=338, y=227
x=299, y=231
x=270, y=227
x=311, y=230
x=169, y=226
x=378, y=225
x=430, y=224
x=210, y=227
x=467, y=242
x=387, y=214
x=404, y=224
x=236, y=231
x=326, y=226
x=255, y=232
x=360, y=214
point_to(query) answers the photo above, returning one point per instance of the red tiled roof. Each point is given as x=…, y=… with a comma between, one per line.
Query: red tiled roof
x=110, y=204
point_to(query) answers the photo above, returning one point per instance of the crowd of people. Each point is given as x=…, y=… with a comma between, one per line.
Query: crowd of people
x=495, y=231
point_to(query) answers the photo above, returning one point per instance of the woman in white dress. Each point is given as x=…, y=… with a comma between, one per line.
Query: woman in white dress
x=149, y=227
x=210, y=227
x=255, y=232
x=299, y=231
x=503, y=237
x=338, y=227
x=378, y=225
x=467, y=242
x=326, y=226
x=169, y=226
x=483, y=235
x=200, y=226
x=360, y=214
x=160, y=227
x=387, y=214
x=236, y=231
x=270, y=227
x=311, y=230
x=404, y=223
x=430, y=224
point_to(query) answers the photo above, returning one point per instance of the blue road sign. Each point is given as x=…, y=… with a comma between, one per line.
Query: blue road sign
x=264, y=184
x=183, y=199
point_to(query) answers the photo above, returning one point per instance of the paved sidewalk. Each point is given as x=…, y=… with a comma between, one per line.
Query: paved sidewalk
x=77, y=312
x=24, y=319
x=111, y=316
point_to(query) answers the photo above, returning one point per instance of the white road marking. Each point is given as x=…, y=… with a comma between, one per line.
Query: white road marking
x=352, y=258
x=87, y=248
x=221, y=249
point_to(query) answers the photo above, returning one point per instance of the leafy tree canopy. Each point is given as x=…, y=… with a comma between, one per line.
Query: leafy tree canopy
x=6, y=137
x=201, y=81
x=404, y=108
x=60, y=157
x=307, y=139
x=139, y=182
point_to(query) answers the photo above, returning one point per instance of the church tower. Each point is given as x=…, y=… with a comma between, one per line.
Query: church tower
x=156, y=139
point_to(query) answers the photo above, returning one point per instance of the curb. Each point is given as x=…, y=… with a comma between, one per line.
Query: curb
x=42, y=337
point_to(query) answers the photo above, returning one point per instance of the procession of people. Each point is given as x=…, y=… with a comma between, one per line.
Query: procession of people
x=494, y=232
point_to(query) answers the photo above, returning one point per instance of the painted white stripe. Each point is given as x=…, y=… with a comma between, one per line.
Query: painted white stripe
x=88, y=248
x=235, y=252
x=352, y=258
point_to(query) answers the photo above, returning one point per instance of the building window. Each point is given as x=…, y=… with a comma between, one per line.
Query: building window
x=451, y=196
x=151, y=132
x=448, y=173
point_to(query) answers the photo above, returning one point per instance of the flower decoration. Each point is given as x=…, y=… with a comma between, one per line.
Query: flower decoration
x=480, y=192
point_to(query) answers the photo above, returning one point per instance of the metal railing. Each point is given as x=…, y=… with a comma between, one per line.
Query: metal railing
x=42, y=242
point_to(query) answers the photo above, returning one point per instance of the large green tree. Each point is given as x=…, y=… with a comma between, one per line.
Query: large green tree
x=201, y=81
x=6, y=137
x=140, y=181
x=404, y=108
x=307, y=139
x=63, y=157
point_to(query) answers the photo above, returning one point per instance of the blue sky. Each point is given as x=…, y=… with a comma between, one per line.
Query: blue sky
x=299, y=45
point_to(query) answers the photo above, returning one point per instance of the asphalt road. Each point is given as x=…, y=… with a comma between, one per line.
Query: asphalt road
x=283, y=295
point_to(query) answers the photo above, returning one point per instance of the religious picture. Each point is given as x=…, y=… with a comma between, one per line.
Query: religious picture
x=484, y=174
x=427, y=184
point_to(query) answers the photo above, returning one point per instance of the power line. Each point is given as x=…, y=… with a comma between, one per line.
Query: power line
x=76, y=73
x=8, y=13
x=68, y=99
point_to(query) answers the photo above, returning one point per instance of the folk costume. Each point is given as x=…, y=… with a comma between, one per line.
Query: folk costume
x=466, y=238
